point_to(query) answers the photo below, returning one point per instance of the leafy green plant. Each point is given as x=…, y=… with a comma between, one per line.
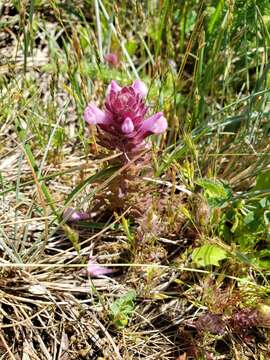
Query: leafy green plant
x=246, y=222
x=217, y=193
x=122, y=309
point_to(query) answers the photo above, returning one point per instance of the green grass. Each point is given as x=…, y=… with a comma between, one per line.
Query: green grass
x=204, y=250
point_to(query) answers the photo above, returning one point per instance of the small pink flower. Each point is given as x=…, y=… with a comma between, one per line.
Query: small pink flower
x=122, y=121
x=71, y=215
x=112, y=59
x=96, y=270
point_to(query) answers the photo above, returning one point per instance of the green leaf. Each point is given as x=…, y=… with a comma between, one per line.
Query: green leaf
x=246, y=240
x=263, y=181
x=131, y=47
x=105, y=173
x=215, y=16
x=32, y=162
x=122, y=309
x=73, y=236
x=262, y=258
x=216, y=193
x=208, y=255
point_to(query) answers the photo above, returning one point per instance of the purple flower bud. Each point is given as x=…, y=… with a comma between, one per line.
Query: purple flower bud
x=127, y=126
x=245, y=318
x=122, y=123
x=97, y=270
x=112, y=59
x=212, y=323
x=113, y=86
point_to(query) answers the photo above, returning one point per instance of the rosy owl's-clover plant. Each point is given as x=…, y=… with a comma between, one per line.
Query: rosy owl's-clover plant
x=122, y=125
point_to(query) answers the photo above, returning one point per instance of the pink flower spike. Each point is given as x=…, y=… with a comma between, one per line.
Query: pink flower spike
x=127, y=126
x=93, y=115
x=156, y=124
x=140, y=88
x=96, y=270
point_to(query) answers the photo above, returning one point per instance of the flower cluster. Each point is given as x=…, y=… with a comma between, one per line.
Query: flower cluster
x=122, y=122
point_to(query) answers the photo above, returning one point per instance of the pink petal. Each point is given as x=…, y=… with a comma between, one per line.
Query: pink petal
x=97, y=270
x=156, y=124
x=71, y=215
x=140, y=88
x=113, y=86
x=160, y=126
x=93, y=115
x=127, y=126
